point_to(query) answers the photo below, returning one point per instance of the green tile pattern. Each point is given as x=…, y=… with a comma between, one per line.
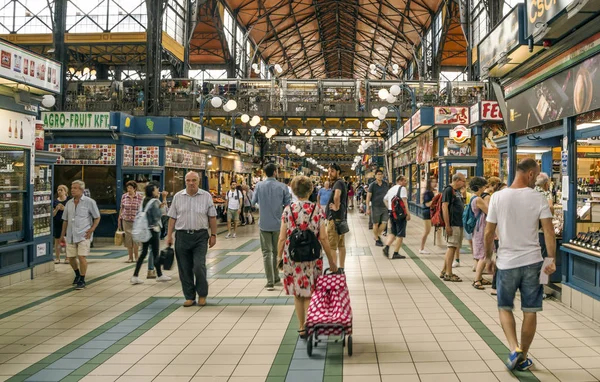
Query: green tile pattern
x=486, y=335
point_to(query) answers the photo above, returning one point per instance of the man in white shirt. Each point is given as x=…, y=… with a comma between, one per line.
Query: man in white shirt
x=515, y=214
x=398, y=228
x=234, y=198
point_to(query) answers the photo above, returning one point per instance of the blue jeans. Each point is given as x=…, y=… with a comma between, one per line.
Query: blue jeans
x=526, y=280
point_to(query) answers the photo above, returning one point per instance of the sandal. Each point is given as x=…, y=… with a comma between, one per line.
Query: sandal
x=485, y=282
x=303, y=334
x=494, y=292
x=442, y=275
x=452, y=278
x=477, y=285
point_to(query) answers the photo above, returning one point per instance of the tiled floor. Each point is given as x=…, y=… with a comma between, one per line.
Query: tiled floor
x=408, y=324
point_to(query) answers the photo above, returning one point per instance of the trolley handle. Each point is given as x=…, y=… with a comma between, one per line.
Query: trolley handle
x=331, y=273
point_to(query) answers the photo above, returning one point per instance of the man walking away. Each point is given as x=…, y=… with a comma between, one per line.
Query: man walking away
x=452, y=211
x=192, y=212
x=293, y=198
x=324, y=196
x=337, y=210
x=376, y=207
x=80, y=219
x=515, y=214
x=271, y=197
x=234, y=197
x=398, y=228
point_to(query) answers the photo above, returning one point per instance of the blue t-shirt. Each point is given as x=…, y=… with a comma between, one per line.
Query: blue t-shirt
x=325, y=195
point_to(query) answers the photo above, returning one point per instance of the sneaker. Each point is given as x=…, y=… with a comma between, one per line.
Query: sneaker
x=151, y=274
x=525, y=365
x=384, y=233
x=455, y=264
x=386, y=251
x=278, y=283
x=270, y=287
x=80, y=285
x=398, y=256
x=514, y=358
x=76, y=280
x=424, y=252
x=163, y=278
x=378, y=243
x=136, y=280
x=228, y=236
x=233, y=236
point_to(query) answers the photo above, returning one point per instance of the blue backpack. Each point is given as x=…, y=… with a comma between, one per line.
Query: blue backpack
x=469, y=218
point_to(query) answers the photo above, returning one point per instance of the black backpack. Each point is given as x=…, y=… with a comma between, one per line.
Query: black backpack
x=304, y=245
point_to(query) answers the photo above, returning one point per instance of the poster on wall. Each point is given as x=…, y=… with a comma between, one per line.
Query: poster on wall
x=571, y=92
x=455, y=149
x=226, y=141
x=192, y=129
x=425, y=147
x=451, y=115
x=146, y=156
x=211, y=136
x=64, y=120
x=22, y=66
x=240, y=145
x=17, y=130
x=180, y=158
x=85, y=154
x=127, y=156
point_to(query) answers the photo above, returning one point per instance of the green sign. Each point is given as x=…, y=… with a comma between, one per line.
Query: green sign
x=76, y=121
x=192, y=129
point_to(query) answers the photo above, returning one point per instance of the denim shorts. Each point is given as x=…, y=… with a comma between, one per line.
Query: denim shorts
x=527, y=280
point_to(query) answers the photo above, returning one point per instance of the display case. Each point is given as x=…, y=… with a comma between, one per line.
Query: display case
x=13, y=192
x=42, y=201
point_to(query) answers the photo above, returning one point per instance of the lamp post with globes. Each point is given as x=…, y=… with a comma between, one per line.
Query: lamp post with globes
x=381, y=115
x=391, y=95
x=384, y=68
x=277, y=69
x=215, y=101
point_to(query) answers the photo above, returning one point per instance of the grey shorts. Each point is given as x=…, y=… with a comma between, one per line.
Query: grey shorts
x=379, y=216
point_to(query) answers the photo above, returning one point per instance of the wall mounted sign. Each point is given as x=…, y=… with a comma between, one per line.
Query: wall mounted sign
x=180, y=158
x=540, y=12
x=211, y=136
x=25, y=67
x=451, y=115
x=406, y=129
x=460, y=134
x=500, y=41
x=192, y=129
x=490, y=111
x=249, y=148
x=146, y=156
x=240, y=145
x=75, y=121
x=226, y=141
x=85, y=154
x=455, y=149
x=127, y=156
x=474, y=113
x=571, y=92
x=17, y=130
x=416, y=120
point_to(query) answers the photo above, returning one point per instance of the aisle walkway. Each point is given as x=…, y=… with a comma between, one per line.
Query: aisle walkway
x=408, y=324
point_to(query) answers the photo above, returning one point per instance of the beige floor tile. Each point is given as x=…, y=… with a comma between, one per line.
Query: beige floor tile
x=96, y=378
x=361, y=378
x=251, y=371
x=223, y=359
x=364, y=369
x=135, y=378
x=170, y=378
x=428, y=356
x=433, y=367
x=573, y=375
x=110, y=370
x=145, y=370
x=257, y=359
x=469, y=367
x=477, y=377
x=438, y=377
x=558, y=363
x=180, y=370
x=397, y=368
x=587, y=362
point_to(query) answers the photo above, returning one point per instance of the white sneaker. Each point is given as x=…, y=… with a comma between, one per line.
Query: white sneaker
x=136, y=280
x=455, y=264
x=163, y=278
x=233, y=236
x=228, y=236
x=424, y=252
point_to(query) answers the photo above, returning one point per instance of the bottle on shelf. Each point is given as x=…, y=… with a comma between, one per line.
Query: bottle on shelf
x=21, y=135
x=10, y=128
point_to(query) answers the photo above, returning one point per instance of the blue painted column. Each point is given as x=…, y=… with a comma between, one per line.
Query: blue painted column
x=478, y=131
x=512, y=157
x=547, y=163
x=119, y=175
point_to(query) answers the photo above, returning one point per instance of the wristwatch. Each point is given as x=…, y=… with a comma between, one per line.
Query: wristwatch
x=212, y=234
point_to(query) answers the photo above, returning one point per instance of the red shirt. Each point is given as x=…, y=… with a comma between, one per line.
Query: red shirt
x=130, y=206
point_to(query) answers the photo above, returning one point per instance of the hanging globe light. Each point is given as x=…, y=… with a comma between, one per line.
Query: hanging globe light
x=395, y=90
x=231, y=105
x=245, y=118
x=383, y=110
x=375, y=112
x=377, y=122
x=383, y=93
x=216, y=102
x=264, y=129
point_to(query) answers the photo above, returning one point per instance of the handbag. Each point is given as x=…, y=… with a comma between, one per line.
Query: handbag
x=341, y=227
x=119, y=236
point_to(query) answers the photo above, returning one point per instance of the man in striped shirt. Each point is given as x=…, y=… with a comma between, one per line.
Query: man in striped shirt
x=192, y=212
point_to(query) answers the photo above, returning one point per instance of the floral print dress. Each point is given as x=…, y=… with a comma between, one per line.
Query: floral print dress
x=300, y=279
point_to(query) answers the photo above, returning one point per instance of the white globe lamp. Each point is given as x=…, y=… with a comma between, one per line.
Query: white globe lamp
x=216, y=102
x=383, y=93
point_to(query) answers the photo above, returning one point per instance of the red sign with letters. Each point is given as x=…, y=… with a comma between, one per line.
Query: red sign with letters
x=490, y=111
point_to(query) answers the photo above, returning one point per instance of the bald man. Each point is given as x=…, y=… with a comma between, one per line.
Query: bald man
x=191, y=214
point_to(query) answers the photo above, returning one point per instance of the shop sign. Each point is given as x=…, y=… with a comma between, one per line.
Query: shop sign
x=18, y=129
x=22, y=66
x=240, y=145
x=85, y=154
x=500, y=41
x=416, y=120
x=249, y=148
x=180, y=158
x=540, y=12
x=454, y=149
x=226, y=141
x=490, y=153
x=75, y=121
x=451, y=115
x=490, y=111
x=211, y=136
x=460, y=134
x=571, y=92
x=475, y=113
x=192, y=129
x=406, y=128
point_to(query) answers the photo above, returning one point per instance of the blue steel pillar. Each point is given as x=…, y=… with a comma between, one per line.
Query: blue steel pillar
x=512, y=157
x=547, y=163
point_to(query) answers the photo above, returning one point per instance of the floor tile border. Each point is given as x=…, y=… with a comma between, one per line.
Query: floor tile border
x=482, y=330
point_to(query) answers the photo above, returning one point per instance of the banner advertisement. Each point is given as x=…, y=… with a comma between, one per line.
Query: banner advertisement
x=192, y=129
x=226, y=141
x=451, y=115
x=539, y=12
x=474, y=114
x=425, y=147
x=490, y=111
x=406, y=128
x=453, y=149
x=416, y=120
x=249, y=148
x=500, y=41
x=211, y=136
x=240, y=145
x=127, y=156
x=146, y=156
x=181, y=158
x=22, y=66
x=571, y=92
x=18, y=129
x=62, y=120
x=85, y=154
x=492, y=132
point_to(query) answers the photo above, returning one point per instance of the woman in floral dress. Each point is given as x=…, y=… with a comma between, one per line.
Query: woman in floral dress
x=300, y=279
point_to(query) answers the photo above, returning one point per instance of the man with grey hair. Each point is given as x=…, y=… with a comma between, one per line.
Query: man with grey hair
x=192, y=212
x=453, y=206
x=80, y=219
